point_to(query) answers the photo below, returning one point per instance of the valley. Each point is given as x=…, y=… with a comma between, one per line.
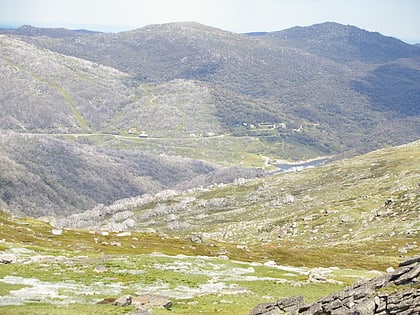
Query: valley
x=183, y=169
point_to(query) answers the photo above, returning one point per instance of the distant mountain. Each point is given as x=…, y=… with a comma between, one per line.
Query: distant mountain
x=345, y=43
x=196, y=92
x=302, y=76
x=28, y=30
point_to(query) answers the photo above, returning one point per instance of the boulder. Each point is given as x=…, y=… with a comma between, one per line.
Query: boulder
x=123, y=301
x=265, y=309
x=364, y=297
x=140, y=310
x=152, y=300
x=319, y=274
x=56, y=231
x=106, y=301
x=290, y=305
x=7, y=259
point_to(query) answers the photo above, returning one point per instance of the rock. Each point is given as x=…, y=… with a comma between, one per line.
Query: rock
x=123, y=301
x=410, y=261
x=100, y=269
x=56, y=231
x=265, y=309
x=390, y=270
x=152, y=300
x=43, y=259
x=8, y=259
x=141, y=310
x=363, y=297
x=124, y=234
x=106, y=301
x=196, y=238
x=367, y=307
x=409, y=276
x=291, y=304
x=319, y=274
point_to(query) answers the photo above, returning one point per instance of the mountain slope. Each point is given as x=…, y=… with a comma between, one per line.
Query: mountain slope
x=345, y=43
x=46, y=91
x=42, y=175
x=297, y=84
x=369, y=199
x=212, y=95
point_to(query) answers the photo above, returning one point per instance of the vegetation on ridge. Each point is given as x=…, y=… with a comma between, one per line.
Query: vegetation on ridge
x=152, y=156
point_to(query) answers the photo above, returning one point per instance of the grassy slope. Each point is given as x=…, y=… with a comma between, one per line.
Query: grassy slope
x=194, y=282
x=336, y=207
x=356, y=189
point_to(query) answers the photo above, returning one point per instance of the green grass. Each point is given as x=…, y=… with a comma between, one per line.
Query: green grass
x=71, y=309
x=81, y=122
x=5, y=288
x=364, y=241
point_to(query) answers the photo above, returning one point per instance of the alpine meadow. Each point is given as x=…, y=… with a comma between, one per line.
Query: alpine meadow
x=183, y=169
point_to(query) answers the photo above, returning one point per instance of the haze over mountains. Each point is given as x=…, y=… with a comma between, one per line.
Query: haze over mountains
x=198, y=93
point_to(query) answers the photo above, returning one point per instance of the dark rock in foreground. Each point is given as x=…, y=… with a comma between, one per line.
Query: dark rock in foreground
x=397, y=292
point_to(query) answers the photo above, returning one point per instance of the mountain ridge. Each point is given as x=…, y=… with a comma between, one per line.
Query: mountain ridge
x=346, y=43
x=147, y=162
x=296, y=86
x=206, y=94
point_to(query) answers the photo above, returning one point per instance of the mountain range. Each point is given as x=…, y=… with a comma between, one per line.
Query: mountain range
x=164, y=164
x=197, y=94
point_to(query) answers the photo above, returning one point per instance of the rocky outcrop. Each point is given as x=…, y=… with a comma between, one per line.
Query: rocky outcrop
x=142, y=302
x=152, y=300
x=7, y=259
x=397, y=292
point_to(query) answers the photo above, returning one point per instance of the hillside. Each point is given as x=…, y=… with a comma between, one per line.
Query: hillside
x=196, y=94
x=345, y=43
x=270, y=78
x=41, y=175
x=224, y=248
x=371, y=198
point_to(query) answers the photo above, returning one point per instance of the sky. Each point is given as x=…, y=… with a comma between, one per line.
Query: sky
x=397, y=18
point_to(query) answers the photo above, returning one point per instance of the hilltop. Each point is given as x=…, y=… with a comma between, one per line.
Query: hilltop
x=227, y=102
x=351, y=90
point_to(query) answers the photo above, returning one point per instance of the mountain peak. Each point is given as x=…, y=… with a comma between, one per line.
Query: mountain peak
x=183, y=28
x=346, y=43
x=32, y=31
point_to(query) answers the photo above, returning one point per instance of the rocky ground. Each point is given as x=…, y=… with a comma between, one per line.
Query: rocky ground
x=397, y=292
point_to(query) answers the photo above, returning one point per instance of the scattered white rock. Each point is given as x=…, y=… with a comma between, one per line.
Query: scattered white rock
x=8, y=259
x=124, y=234
x=390, y=270
x=123, y=301
x=100, y=269
x=56, y=231
x=319, y=274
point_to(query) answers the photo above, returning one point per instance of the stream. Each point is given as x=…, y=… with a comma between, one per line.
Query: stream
x=295, y=167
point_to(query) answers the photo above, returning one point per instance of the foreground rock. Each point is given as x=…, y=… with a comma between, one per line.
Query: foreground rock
x=141, y=302
x=152, y=300
x=397, y=292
